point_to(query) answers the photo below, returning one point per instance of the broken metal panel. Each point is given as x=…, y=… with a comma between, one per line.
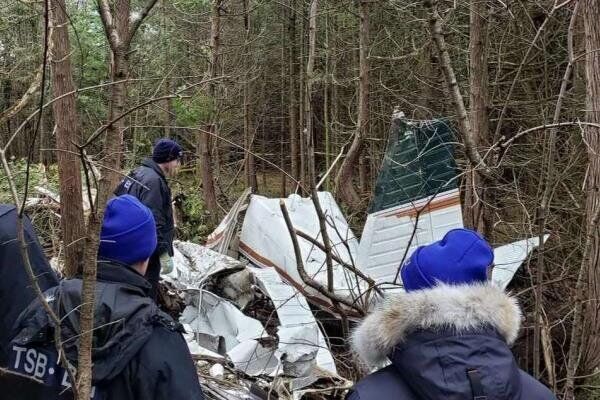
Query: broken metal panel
x=212, y=317
x=220, y=239
x=217, y=328
x=388, y=232
x=418, y=163
x=417, y=201
x=194, y=264
x=266, y=242
x=252, y=358
x=508, y=259
x=294, y=315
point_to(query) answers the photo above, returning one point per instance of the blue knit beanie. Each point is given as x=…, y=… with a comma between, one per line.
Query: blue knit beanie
x=128, y=232
x=462, y=256
x=166, y=150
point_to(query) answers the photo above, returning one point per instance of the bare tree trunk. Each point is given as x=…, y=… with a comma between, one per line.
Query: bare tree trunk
x=301, y=91
x=435, y=25
x=114, y=145
x=363, y=167
x=208, y=186
x=591, y=16
x=67, y=133
x=475, y=199
x=119, y=72
x=119, y=40
x=167, y=104
x=282, y=133
x=326, y=108
x=204, y=145
x=344, y=179
x=293, y=101
x=249, y=131
x=308, y=107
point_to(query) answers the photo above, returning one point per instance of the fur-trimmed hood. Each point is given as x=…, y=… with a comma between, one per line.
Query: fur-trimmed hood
x=461, y=308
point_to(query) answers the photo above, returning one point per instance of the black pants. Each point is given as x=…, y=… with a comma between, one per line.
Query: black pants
x=153, y=274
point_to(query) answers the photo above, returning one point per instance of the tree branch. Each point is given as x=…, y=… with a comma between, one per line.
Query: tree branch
x=25, y=100
x=335, y=258
x=300, y=266
x=135, y=24
x=109, y=26
x=504, y=144
x=555, y=8
x=435, y=24
x=103, y=128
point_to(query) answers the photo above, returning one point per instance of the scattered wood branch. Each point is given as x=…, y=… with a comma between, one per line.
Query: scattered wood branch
x=412, y=236
x=300, y=266
x=325, y=237
x=335, y=258
x=506, y=143
x=103, y=128
x=540, y=332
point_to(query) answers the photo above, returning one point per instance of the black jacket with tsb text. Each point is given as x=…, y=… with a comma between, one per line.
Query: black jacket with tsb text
x=138, y=351
x=16, y=291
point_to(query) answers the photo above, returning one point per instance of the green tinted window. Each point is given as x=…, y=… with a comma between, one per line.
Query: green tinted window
x=419, y=162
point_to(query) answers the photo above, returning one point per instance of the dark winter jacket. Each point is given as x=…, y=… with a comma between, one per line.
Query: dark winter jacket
x=149, y=185
x=16, y=291
x=139, y=352
x=449, y=342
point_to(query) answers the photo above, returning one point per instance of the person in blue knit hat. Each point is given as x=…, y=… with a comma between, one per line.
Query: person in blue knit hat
x=148, y=183
x=128, y=234
x=448, y=334
x=139, y=351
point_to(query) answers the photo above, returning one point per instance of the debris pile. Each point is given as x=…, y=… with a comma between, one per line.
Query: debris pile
x=249, y=331
x=247, y=314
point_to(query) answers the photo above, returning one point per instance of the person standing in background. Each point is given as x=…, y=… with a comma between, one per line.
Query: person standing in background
x=148, y=183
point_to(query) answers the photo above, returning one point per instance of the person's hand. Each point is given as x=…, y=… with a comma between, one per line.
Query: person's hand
x=166, y=263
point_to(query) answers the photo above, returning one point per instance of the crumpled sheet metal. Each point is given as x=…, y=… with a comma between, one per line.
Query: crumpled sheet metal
x=297, y=321
x=217, y=328
x=194, y=264
x=212, y=317
x=266, y=242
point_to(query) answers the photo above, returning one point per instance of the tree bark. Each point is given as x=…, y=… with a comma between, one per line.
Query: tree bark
x=67, y=133
x=591, y=16
x=249, y=130
x=344, y=179
x=293, y=101
x=119, y=40
x=119, y=72
x=475, y=212
x=326, y=108
x=204, y=144
x=282, y=124
x=208, y=185
x=464, y=123
x=302, y=94
x=308, y=108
